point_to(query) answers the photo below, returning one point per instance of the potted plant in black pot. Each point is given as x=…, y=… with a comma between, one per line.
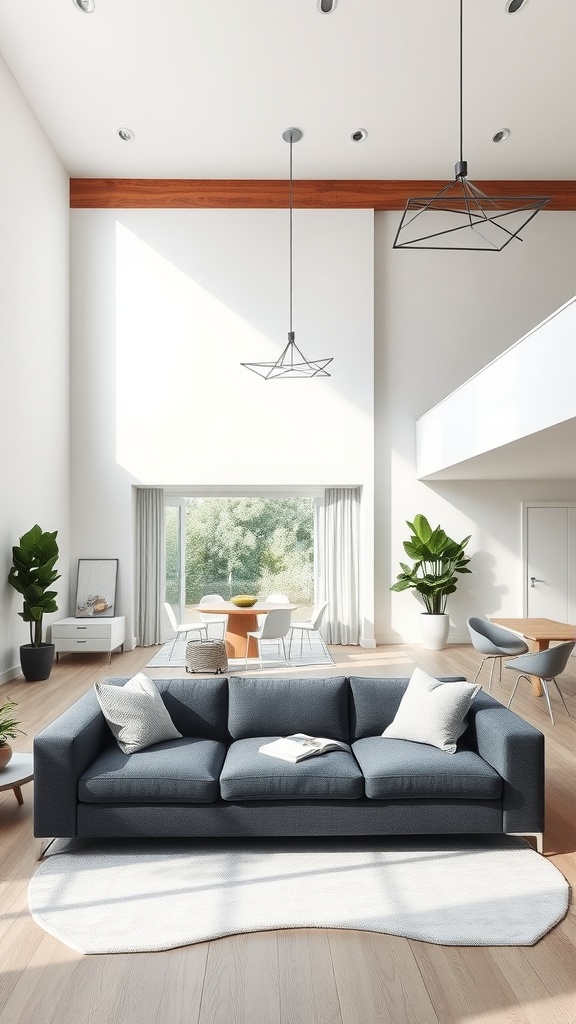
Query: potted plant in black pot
x=437, y=559
x=32, y=574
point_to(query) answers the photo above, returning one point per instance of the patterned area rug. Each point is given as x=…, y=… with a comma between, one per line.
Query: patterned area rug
x=312, y=654
x=128, y=896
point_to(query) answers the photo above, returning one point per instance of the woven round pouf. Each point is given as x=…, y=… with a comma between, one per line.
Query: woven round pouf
x=206, y=656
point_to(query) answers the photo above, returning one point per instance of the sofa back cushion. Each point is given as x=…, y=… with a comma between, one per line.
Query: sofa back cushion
x=272, y=706
x=198, y=707
x=375, y=701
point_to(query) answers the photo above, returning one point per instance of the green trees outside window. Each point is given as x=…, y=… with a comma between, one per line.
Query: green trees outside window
x=243, y=546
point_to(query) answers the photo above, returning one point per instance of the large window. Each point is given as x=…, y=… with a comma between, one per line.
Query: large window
x=233, y=546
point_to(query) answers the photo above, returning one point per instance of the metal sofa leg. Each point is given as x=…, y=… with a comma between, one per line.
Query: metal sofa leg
x=538, y=836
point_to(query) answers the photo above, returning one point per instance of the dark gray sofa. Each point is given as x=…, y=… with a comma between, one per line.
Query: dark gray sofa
x=213, y=782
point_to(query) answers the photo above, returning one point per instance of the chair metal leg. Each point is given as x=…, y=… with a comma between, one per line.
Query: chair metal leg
x=259, y=643
x=491, y=674
x=324, y=644
x=522, y=676
x=547, y=695
x=173, y=646
x=561, y=695
x=480, y=669
x=284, y=648
x=246, y=655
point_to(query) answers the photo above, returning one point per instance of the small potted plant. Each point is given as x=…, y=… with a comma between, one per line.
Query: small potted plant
x=437, y=559
x=8, y=730
x=32, y=574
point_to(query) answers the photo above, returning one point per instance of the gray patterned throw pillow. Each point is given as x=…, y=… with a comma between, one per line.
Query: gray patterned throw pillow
x=432, y=712
x=136, y=713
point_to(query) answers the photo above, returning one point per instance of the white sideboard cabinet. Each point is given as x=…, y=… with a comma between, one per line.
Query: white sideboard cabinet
x=88, y=636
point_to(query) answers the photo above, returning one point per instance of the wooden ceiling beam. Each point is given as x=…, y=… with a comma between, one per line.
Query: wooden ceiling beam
x=212, y=193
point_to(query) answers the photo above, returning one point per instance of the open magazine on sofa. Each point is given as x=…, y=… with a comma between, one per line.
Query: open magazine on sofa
x=299, y=746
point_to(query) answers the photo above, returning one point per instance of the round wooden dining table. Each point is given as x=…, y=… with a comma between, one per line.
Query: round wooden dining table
x=241, y=621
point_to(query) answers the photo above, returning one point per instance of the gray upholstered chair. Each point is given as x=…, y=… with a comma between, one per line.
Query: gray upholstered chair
x=546, y=665
x=494, y=642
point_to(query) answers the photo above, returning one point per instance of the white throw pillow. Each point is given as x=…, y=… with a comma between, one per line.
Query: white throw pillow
x=432, y=712
x=136, y=713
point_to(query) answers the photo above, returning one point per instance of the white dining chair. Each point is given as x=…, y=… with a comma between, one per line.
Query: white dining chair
x=182, y=629
x=276, y=627
x=221, y=621
x=309, y=627
x=272, y=599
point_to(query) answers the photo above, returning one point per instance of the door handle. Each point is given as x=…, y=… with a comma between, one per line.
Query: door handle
x=533, y=580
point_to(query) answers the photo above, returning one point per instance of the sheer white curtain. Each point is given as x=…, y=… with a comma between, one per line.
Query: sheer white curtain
x=150, y=564
x=341, y=569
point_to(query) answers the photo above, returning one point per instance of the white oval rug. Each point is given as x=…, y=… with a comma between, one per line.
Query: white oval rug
x=136, y=896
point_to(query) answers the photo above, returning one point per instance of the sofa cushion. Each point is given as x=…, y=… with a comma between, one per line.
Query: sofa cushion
x=272, y=706
x=136, y=713
x=177, y=772
x=249, y=775
x=198, y=707
x=432, y=711
x=401, y=769
x=375, y=702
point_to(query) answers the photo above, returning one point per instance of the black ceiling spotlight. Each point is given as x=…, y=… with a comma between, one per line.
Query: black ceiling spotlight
x=291, y=362
x=126, y=134
x=326, y=6
x=513, y=6
x=462, y=217
x=86, y=6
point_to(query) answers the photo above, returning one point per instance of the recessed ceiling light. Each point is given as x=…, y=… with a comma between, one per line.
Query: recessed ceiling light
x=86, y=6
x=326, y=6
x=359, y=135
x=126, y=134
x=502, y=135
x=513, y=6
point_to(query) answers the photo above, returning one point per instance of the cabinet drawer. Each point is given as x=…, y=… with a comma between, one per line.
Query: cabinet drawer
x=88, y=645
x=81, y=630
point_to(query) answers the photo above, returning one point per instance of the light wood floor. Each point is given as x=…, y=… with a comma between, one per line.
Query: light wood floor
x=287, y=977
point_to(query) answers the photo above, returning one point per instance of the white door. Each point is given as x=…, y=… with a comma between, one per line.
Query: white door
x=550, y=562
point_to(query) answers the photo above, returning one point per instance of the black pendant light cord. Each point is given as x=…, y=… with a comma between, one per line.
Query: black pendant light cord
x=290, y=336
x=461, y=169
x=461, y=80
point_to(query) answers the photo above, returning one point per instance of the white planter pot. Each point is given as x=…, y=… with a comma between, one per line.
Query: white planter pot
x=434, y=630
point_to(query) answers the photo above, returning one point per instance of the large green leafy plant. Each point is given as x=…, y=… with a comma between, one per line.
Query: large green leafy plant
x=32, y=574
x=437, y=560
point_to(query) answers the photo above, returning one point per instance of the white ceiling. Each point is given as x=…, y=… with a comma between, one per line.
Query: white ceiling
x=208, y=86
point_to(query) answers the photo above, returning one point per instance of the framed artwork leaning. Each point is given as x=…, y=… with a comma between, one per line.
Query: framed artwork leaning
x=96, y=587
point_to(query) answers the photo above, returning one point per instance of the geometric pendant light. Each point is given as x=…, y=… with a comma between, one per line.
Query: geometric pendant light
x=291, y=363
x=462, y=217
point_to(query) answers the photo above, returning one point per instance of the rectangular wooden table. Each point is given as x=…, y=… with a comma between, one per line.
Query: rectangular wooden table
x=538, y=634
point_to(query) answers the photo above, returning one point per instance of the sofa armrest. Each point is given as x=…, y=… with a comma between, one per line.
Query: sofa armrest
x=515, y=749
x=62, y=752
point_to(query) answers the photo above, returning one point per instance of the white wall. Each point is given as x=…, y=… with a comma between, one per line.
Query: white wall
x=166, y=305
x=34, y=351
x=439, y=318
x=528, y=388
